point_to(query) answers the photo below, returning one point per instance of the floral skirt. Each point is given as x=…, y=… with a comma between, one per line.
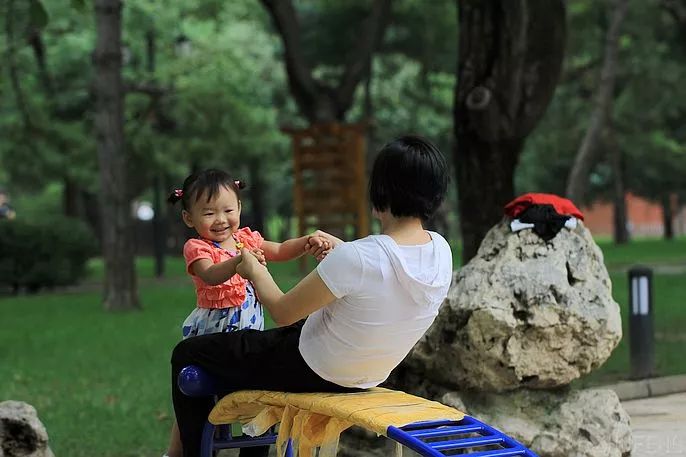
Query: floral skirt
x=202, y=321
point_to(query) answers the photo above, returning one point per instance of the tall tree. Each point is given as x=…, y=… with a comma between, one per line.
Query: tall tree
x=120, y=291
x=578, y=177
x=317, y=100
x=509, y=61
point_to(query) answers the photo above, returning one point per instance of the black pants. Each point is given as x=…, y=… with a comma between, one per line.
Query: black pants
x=242, y=360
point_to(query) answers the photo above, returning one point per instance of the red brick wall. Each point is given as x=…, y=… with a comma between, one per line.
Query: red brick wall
x=644, y=217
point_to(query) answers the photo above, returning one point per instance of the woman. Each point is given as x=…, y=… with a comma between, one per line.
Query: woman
x=369, y=301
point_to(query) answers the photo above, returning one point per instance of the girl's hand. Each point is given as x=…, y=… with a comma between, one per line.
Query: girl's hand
x=249, y=266
x=333, y=241
x=318, y=247
x=259, y=255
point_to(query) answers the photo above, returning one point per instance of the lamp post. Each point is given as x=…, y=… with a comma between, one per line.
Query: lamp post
x=641, y=337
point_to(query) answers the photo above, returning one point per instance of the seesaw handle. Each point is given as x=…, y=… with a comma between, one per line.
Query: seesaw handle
x=196, y=382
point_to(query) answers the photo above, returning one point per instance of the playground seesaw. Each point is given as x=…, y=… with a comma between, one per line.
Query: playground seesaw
x=307, y=421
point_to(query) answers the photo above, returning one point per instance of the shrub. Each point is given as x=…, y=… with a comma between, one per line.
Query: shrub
x=47, y=253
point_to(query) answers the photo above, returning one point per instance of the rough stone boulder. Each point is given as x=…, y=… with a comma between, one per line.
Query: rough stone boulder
x=21, y=433
x=581, y=423
x=523, y=313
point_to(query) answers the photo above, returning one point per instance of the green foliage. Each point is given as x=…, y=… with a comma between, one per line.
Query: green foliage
x=220, y=94
x=44, y=253
x=648, y=106
x=37, y=13
x=223, y=94
x=424, y=32
x=39, y=205
x=79, y=5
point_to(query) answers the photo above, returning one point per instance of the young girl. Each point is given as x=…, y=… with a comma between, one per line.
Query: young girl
x=225, y=301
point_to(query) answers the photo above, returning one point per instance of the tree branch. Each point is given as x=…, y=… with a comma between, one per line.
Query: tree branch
x=303, y=86
x=577, y=72
x=359, y=60
x=578, y=177
x=145, y=88
x=676, y=9
x=36, y=42
x=12, y=67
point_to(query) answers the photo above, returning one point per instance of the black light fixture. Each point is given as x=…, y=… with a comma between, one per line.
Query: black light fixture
x=641, y=337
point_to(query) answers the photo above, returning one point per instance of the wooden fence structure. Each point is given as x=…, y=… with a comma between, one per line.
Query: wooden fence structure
x=330, y=184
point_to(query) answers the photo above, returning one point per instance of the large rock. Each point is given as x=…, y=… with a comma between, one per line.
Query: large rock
x=21, y=433
x=523, y=313
x=582, y=423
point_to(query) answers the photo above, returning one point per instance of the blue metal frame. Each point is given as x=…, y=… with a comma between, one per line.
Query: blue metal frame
x=421, y=437
x=467, y=433
x=216, y=437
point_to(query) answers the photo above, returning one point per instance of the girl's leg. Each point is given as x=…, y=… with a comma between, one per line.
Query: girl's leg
x=246, y=359
x=175, y=449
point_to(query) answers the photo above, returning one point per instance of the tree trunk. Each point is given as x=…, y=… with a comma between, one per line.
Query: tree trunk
x=71, y=198
x=159, y=227
x=667, y=217
x=120, y=291
x=256, y=194
x=577, y=181
x=509, y=62
x=159, y=222
x=92, y=213
x=621, y=233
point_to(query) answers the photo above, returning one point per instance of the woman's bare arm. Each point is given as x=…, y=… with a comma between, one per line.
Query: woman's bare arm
x=306, y=297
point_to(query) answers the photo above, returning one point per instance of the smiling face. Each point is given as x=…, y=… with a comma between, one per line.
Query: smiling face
x=217, y=219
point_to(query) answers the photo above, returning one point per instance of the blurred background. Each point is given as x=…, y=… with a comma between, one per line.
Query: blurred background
x=106, y=106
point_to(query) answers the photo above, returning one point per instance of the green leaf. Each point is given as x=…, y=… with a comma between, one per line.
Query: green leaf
x=79, y=5
x=38, y=15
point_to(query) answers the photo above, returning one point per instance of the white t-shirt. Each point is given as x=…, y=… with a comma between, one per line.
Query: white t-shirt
x=387, y=296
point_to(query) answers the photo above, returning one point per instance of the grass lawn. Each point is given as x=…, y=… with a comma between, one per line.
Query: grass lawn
x=669, y=325
x=646, y=251
x=100, y=381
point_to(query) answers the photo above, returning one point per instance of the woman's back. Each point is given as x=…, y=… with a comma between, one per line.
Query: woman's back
x=387, y=297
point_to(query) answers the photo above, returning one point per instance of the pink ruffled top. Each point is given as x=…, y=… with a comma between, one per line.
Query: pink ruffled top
x=230, y=293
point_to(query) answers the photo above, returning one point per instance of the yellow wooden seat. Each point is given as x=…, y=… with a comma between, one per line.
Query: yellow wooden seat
x=313, y=420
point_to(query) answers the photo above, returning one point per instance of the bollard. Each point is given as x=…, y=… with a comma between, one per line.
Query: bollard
x=641, y=337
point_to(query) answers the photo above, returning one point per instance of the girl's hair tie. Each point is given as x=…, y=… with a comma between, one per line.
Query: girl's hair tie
x=175, y=196
x=239, y=184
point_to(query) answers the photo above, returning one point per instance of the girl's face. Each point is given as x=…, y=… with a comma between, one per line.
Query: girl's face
x=217, y=219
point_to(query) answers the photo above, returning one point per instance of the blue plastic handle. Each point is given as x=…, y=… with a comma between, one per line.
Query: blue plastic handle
x=196, y=382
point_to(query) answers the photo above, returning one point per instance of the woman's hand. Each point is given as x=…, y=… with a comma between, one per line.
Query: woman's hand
x=250, y=267
x=320, y=243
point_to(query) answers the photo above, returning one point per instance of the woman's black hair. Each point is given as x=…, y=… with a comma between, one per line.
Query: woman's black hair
x=409, y=177
x=206, y=182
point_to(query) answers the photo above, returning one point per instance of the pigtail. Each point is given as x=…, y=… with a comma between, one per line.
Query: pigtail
x=175, y=196
x=239, y=184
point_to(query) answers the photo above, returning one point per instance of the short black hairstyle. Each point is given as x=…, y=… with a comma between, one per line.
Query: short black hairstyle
x=409, y=177
x=204, y=182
